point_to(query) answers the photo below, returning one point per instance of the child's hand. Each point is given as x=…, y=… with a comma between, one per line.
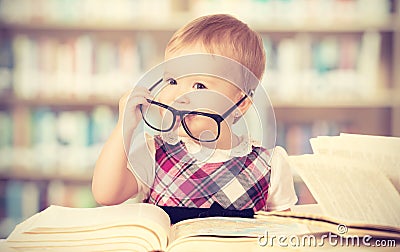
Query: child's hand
x=131, y=108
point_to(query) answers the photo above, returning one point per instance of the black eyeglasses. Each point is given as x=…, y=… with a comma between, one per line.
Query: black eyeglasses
x=191, y=120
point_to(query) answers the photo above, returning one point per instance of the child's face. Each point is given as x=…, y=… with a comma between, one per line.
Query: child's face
x=201, y=93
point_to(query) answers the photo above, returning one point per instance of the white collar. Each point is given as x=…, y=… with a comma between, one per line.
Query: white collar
x=207, y=155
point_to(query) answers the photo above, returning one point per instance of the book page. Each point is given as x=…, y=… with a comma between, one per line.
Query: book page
x=132, y=245
x=233, y=227
x=391, y=144
x=320, y=145
x=349, y=190
x=318, y=223
x=128, y=234
x=64, y=223
x=207, y=243
x=382, y=151
x=307, y=208
x=66, y=219
x=87, y=245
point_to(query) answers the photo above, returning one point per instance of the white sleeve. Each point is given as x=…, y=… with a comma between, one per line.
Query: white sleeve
x=281, y=193
x=141, y=162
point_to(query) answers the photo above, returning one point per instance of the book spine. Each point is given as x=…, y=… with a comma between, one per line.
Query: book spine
x=76, y=68
x=277, y=11
x=324, y=68
x=22, y=199
x=52, y=135
x=6, y=65
x=6, y=141
x=14, y=204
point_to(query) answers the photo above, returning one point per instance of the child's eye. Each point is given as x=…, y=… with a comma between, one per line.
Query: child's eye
x=171, y=81
x=198, y=85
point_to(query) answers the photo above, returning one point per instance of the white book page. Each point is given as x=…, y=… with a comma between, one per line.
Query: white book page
x=308, y=208
x=382, y=152
x=392, y=144
x=57, y=219
x=349, y=190
x=96, y=236
x=86, y=245
x=320, y=144
x=66, y=218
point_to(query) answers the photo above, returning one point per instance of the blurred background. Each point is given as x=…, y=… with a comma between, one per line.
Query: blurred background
x=332, y=66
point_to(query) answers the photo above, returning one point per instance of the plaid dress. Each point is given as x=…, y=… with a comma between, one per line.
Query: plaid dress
x=236, y=184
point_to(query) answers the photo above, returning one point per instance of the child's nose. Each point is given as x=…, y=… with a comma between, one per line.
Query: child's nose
x=182, y=99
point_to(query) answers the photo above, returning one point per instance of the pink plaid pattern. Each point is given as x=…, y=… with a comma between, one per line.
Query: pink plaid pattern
x=239, y=183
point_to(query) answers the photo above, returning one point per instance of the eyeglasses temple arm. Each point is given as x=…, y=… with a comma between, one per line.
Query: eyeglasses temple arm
x=155, y=84
x=229, y=111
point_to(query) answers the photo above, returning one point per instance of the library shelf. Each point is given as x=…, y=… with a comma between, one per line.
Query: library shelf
x=386, y=101
x=25, y=174
x=298, y=118
x=171, y=25
x=59, y=102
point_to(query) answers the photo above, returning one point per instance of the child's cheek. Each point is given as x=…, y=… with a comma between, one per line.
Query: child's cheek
x=164, y=97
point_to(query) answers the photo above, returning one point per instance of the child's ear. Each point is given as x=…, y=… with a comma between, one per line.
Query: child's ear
x=245, y=105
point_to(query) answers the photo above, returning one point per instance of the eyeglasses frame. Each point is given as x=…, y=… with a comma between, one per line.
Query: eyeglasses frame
x=183, y=113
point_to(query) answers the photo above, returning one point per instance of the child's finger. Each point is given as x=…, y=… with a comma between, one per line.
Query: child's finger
x=148, y=96
x=142, y=93
x=140, y=90
x=137, y=100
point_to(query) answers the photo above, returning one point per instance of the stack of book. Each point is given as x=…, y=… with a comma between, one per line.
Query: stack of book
x=352, y=177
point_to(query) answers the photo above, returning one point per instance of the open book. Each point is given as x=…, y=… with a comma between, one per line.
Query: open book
x=352, y=177
x=355, y=180
x=139, y=227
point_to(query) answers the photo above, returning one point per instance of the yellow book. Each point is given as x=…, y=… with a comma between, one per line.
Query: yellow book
x=146, y=227
x=348, y=176
x=139, y=227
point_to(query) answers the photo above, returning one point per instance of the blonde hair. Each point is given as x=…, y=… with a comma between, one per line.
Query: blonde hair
x=225, y=35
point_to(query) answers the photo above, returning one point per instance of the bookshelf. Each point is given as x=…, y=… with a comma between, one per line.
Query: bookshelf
x=332, y=67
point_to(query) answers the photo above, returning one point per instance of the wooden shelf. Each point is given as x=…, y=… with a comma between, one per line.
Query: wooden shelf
x=172, y=24
x=324, y=27
x=134, y=26
x=377, y=102
x=59, y=102
x=32, y=175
